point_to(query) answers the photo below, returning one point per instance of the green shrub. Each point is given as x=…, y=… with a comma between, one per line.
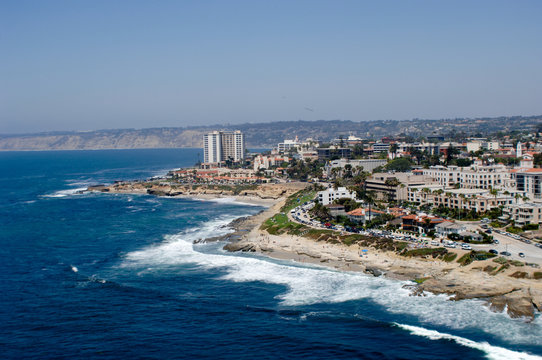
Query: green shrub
x=537, y=275
x=449, y=257
x=489, y=268
x=421, y=280
x=434, y=253
x=530, y=227
x=501, y=268
x=520, y=275
x=501, y=260
x=466, y=259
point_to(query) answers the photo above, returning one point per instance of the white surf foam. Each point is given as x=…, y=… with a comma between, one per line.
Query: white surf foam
x=74, y=269
x=310, y=285
x=65, y=193
x=492, y=352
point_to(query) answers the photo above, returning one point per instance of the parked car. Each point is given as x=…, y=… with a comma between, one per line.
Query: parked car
x=493, y=251
x=505, y=253
x=521, y=255
x=466, y=247
x=495, y=241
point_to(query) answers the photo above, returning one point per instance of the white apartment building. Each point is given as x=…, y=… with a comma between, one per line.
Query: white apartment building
x=286, y=145
x=212, y=147
x=476, y=176
x=473, y=146
x=381, y=147
x=479, y=200
x=523, y=214
x=327, y=196
x=430, y=148
x=220, y=146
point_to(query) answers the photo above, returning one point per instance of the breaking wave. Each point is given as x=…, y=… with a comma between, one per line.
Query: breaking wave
x=492, y=352
x=308, y=285
x=65, y=193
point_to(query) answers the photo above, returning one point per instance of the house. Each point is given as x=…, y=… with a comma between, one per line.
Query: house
x=362, y=215
x=335, y=209
x=474, y=236
x=329, y=195
x=420, y=223
x=448, y=227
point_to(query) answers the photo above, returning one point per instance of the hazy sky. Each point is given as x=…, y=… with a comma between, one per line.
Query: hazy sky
x=85, y=65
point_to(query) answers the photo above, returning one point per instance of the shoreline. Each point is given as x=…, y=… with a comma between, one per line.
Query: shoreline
x=519, y=297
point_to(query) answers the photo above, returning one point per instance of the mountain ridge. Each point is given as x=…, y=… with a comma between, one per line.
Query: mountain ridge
x=266, y=134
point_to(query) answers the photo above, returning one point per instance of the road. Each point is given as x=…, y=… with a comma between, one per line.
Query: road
x=532, y=253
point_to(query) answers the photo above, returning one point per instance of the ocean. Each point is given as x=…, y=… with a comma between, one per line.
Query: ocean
x=117, y=276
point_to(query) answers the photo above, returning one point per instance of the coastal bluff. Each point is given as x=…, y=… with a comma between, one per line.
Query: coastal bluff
x=260, y=191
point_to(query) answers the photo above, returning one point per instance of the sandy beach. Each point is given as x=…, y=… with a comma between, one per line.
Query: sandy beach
x=505, y=290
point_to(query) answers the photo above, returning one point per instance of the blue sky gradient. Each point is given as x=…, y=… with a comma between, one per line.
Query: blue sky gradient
x=85, y=65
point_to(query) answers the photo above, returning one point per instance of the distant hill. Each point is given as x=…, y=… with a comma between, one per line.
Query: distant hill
x=263, y=134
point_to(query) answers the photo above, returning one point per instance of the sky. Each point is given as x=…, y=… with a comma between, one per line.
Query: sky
x=101, y=64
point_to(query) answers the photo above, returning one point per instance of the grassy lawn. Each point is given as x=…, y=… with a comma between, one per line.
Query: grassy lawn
x=297, y=199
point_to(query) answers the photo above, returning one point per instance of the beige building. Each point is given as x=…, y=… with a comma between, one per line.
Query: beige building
x=479, y=200
x=476, y=176
x=523, y=214
x=394, y=186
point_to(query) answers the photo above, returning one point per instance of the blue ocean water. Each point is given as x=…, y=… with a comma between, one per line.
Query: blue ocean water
x=118, y=276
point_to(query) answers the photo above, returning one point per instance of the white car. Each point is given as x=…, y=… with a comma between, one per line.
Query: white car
x=466, y=247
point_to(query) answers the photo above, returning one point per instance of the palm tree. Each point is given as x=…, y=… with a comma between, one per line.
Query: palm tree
x=370, y=197
x=494, y=192
x=462, y=197
x=393, y=149
x=391, y=183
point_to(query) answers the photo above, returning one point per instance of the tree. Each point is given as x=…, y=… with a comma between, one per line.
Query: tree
x=462, y=197
x=391, y=182
x=426, y=224
x=393, y=149
x=320, y=211
x=348, y=204
x=463, y=162
x=347, y=171
x=399, y=164
x=450, y=153
x=494, y=192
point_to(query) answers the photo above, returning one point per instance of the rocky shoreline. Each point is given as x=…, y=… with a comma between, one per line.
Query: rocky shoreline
x=520, y=298
x=269, y=192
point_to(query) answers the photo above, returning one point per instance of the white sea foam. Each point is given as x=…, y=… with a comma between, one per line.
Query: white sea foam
x=310, y=285
x=65, y=193
x=492, y=352
x=74, y=269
